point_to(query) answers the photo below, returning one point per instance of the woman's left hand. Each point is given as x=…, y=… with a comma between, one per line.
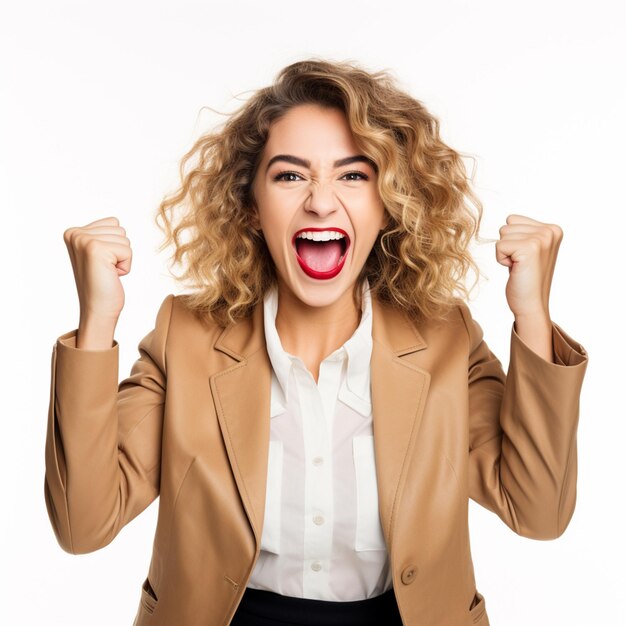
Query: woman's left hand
x=529, y=249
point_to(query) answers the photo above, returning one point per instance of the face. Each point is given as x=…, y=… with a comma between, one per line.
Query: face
x=317, y=204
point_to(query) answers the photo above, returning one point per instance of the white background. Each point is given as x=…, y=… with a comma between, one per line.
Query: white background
x=100, y=100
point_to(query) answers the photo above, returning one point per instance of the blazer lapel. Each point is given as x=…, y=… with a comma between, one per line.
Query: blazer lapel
x=241, y=394
x=399, y=390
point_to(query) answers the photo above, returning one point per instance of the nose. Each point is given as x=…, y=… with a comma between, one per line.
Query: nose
x=322, y=200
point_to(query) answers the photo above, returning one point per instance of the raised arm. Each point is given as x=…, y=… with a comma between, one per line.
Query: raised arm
x=103, y=444
x=103, y=440
x=523, y=455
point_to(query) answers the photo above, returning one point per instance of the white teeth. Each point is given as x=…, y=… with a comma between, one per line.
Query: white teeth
x=325, y=235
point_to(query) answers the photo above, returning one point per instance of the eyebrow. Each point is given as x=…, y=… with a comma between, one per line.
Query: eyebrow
x=294, y=160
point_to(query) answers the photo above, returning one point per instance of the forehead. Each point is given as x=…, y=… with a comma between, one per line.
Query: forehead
x=312, y=129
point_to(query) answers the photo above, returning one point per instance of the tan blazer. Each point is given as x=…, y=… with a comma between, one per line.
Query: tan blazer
x=191, y=425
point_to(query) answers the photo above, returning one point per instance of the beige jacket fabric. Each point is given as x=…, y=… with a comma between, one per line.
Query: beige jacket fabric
x=190, y=425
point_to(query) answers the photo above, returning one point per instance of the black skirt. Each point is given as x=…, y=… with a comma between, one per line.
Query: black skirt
x=265, y=608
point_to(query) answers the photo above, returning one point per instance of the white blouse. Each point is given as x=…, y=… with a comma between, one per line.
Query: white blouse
x=322, y=538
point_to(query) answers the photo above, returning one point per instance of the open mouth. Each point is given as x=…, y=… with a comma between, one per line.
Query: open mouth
x=321, y=252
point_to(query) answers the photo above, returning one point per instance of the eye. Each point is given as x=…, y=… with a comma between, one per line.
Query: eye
x=361, y=176
x=283, y=175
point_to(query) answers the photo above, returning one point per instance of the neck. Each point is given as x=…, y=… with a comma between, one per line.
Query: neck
x=312, y=333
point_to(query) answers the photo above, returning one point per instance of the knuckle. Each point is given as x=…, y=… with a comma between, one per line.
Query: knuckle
x=91, y=245
x=68, y=234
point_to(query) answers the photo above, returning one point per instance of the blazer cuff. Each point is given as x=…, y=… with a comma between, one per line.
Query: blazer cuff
x=567, y=351
x=68, y=341
x=90, y=377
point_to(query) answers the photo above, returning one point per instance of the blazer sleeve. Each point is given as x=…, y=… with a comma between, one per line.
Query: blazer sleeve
x=522, y=431
x=103, y=442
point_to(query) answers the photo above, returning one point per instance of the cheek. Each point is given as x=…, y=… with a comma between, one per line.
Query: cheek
x=382, y=217
x=275, y=231
x=370, y=217
x=372, y=202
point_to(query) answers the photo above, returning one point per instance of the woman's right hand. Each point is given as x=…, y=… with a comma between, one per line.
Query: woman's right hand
x=100, y=254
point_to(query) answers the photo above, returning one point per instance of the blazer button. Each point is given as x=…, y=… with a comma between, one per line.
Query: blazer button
x=408, y=574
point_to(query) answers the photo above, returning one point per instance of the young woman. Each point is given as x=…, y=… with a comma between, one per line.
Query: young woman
x=316, y=411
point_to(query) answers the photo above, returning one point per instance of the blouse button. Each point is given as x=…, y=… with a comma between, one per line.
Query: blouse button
x=318, y=520
x=318, y=460
x=408, y=574
x=316, y=566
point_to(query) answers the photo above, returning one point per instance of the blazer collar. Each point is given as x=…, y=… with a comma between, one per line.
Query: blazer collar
x=244, y=338
x=390, y=327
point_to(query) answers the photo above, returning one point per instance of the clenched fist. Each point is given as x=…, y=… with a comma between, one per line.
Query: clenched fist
x=100, y=254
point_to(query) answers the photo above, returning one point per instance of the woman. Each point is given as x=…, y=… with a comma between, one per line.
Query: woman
x=316, y=412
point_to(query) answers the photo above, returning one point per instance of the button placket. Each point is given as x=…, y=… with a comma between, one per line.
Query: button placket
x=318, y=494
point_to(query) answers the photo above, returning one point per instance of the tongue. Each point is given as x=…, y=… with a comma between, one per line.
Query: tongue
x=321, y=256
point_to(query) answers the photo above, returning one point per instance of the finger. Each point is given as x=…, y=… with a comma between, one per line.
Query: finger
x=123, y=267
x=111, y=221
x=98, y=232
x=518, y=250
x=522, y=228
x=517, y=236
x=545, y=235
x=81, y=240
x=122, y=255
x=104, y=227
x=504, y=259
x=120, y=239
x=515, y=218
x=504, y=253
x=519, y=244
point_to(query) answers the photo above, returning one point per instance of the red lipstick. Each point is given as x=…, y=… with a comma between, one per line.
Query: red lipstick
x=309, y=271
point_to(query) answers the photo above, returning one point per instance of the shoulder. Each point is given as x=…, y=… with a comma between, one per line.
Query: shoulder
x=177, y=316
x=472, y=327
x=404, y=331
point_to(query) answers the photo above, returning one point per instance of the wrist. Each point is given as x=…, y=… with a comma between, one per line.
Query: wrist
x=95, y=332
x=536, y=333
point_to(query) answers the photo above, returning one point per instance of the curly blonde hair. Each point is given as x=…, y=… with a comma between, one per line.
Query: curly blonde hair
x=420, y=259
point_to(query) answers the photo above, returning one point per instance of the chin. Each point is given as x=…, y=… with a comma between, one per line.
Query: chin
x=320, y=300
x=320, y=293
